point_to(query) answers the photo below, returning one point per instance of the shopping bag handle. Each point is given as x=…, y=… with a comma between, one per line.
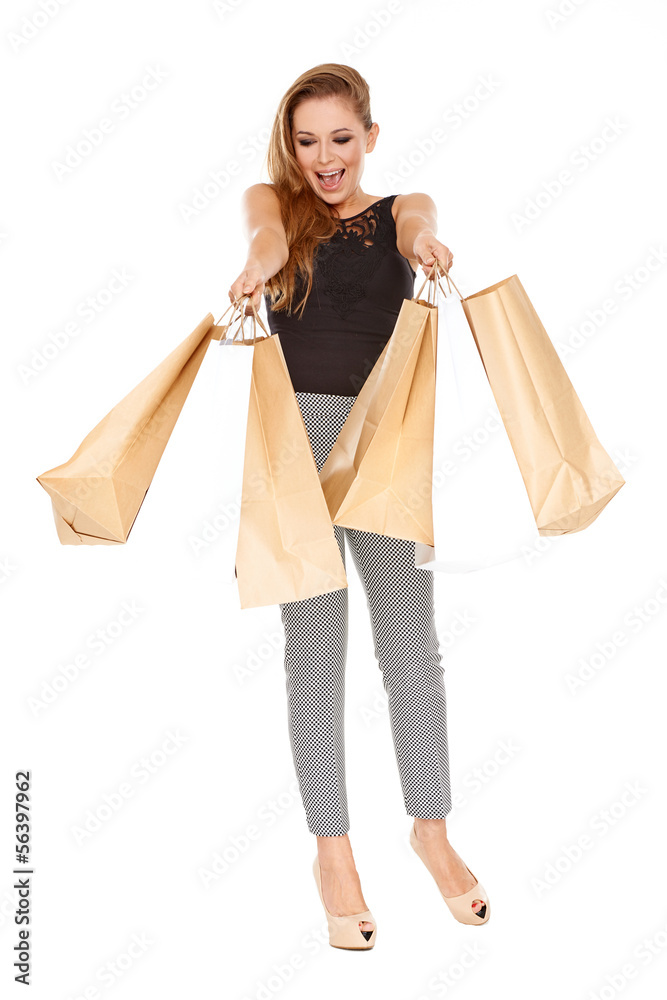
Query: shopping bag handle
x=256, y=318
x=430, y=277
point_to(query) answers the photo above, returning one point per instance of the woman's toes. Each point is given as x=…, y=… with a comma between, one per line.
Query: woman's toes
x=366, y=928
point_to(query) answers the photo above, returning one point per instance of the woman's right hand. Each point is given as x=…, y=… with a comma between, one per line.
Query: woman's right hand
x=250, y=281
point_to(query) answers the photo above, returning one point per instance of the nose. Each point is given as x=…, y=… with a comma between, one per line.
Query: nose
x=328, y=164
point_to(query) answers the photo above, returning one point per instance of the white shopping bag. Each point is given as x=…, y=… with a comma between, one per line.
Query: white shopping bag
x=481, y=512
x=230, y=397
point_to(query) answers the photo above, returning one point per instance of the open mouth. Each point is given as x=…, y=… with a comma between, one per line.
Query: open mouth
x=330, y=179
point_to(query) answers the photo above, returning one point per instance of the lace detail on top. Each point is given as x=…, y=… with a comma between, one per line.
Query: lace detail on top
x=359, y=283
x=347, y=261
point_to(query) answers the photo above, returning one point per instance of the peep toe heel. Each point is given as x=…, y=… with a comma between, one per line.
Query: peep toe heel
x=460, y=906
x=345, y=932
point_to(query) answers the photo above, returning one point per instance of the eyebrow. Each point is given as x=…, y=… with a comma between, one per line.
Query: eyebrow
x=344, y=129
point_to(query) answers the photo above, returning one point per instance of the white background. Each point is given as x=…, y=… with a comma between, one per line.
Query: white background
x=258, y=929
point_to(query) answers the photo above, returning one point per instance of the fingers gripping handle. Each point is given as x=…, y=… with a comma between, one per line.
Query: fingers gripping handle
x=435, y=273
x=238, y=312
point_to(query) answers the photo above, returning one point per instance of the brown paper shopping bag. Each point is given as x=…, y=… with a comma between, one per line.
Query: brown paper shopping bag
x=568, y=475
x=377, y=476
x=287, y=550
x=96, y=495
x=481, y=513
x=231, y=386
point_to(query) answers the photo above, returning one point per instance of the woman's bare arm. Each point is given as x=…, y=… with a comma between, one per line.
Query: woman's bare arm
x=416, y=224
x=267, y=251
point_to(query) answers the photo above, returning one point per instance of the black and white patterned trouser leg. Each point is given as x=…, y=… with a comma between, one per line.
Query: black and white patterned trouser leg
x=400, y=601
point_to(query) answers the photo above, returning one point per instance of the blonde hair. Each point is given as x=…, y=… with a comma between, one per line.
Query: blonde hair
x=307, y=219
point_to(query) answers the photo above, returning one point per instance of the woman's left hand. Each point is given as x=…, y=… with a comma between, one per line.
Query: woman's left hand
x=427, y=248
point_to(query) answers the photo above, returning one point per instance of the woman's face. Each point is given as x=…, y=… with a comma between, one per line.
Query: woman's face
x=327, y=137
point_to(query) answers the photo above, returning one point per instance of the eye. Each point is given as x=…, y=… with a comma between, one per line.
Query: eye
x=305, y=142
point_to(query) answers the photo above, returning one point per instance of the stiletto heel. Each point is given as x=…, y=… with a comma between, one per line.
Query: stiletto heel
x=460, y=906
x=345, y=932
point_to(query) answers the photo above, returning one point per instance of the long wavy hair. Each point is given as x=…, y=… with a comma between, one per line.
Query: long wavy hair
x=307, y=219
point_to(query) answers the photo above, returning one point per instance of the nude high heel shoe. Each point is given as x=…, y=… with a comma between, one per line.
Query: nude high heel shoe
x=344, y=932
x=460, y=906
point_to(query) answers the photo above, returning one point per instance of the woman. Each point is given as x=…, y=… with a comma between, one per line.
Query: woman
x=348, y=259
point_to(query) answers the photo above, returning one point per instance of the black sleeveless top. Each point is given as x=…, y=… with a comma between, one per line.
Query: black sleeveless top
x=359, y=283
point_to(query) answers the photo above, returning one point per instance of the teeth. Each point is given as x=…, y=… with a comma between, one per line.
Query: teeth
x=330, y=174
